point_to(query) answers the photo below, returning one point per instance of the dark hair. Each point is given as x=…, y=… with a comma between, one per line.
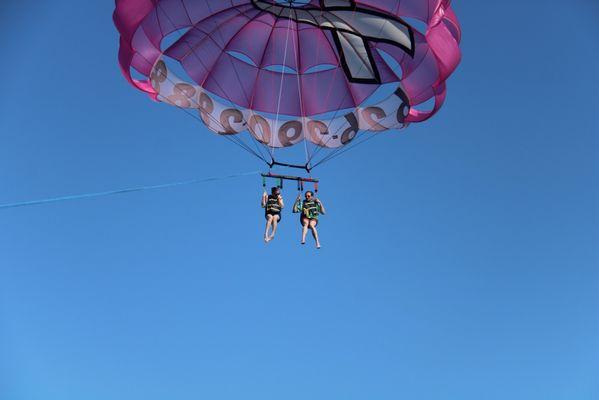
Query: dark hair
x=309, y=191
x=274, y=189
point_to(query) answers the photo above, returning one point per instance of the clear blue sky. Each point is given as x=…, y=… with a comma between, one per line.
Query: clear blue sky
x=475, y=277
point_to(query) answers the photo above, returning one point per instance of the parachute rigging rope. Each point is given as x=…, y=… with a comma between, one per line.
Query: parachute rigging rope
x=336, y=154
x=299, y=91
x=193, y=50
x=281, y=83
x=235, y=140
x=123, y=191
x=332, y=154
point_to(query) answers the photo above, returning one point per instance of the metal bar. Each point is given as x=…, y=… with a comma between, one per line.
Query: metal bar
x=289, y=178
x=304, y=167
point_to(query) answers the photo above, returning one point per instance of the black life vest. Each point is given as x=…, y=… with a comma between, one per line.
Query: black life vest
x=272, y=204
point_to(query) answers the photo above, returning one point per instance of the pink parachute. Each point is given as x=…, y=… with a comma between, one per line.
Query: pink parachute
x=288, y=71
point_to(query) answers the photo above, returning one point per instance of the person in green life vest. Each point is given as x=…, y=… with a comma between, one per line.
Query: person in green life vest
x=310, y=208
x=272, y=204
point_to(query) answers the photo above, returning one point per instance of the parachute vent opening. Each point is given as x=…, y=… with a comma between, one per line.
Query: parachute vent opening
x=416, y=24
x=281, y=69
x=319, y=68
x=175, y=66
x=177, y=70
x=172, y=38
x=392, y=63
x=242, y=57
x=293, y=3
x=383, y=92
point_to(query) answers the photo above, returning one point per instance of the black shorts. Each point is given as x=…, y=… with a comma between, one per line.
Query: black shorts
x=302, y=216
x=273, y=214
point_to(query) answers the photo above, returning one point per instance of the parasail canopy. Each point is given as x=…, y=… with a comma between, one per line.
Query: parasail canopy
x=317, y=72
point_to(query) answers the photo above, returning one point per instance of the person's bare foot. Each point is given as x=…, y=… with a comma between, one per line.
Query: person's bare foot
x=271, y=238
x=266, y=239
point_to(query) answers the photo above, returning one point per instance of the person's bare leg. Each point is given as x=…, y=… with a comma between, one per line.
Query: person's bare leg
x=305, y=222
x=315, y=233
x=268, y=225
x=275, y=222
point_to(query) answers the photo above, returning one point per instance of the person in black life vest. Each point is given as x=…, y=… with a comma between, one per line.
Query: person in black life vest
x=272, y=204
x=310, y=208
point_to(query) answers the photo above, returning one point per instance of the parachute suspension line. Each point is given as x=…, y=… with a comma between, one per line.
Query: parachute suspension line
x=355, y=143
x=232, y=139
x=343, y=149
x=282, y=77
x=318, y=148
x=237, y=142
x=245, y=123
x=123, y=191
x=349, y=92
x=329, y=156
x=235, y=138
x=299, y=91
x=310, y=157
x=336, y=154
x=319, y=48
x=265, y=145
x=329, y=93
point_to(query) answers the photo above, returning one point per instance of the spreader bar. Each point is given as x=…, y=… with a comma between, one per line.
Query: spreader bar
x=289, y=177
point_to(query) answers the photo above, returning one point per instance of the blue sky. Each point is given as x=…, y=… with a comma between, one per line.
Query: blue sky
x=472, y=274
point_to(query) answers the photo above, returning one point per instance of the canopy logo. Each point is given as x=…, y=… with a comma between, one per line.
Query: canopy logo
x=352, y=28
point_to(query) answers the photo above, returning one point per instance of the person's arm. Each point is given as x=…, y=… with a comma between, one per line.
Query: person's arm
x=321, y=206
x=264, y=199
x=281, y=201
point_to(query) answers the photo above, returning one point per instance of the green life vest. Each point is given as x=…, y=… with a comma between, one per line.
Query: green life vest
x=272, y=205
x=310, y=209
